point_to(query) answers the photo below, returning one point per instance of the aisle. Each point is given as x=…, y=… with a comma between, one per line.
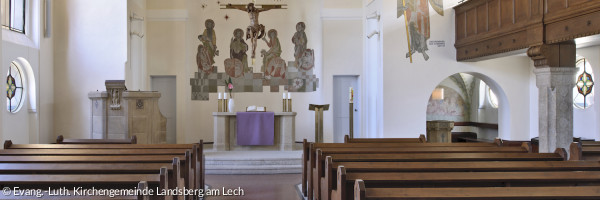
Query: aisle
x=256, y=187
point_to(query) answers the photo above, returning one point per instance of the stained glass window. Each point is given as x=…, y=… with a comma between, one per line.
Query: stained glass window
x=583, y=93
x=14, y=88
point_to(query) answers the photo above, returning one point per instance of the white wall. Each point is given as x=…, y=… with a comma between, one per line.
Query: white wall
x=31, y=124
x=342, y=55
x=90, y=47
x=407, y=86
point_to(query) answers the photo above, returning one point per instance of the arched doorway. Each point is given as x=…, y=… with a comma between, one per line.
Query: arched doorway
x=475, y=102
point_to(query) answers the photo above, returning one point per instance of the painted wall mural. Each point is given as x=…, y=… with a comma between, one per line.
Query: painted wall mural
x=452, y=107
x=416, y=18
x=295, y=76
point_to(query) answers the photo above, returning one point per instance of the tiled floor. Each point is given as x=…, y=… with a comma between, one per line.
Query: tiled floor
x=259, y=187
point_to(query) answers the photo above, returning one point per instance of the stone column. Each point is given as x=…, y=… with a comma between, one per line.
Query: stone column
x=555, y=78
x=439, y=131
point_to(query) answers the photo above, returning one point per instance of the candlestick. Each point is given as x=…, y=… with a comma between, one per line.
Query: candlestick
x=220, y=103
x=351, y=95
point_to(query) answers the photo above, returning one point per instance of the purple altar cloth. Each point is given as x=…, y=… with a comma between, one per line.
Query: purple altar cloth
x=255, y=128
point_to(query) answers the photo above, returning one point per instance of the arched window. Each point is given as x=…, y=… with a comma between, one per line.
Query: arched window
x=14, y=88
x=485, y=92
x=583, y=93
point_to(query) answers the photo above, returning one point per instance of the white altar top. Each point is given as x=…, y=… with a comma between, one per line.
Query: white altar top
x=225, y=132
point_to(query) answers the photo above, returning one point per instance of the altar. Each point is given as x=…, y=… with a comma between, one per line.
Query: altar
x=225, y=133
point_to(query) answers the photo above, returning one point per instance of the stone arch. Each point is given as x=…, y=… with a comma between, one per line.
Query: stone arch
x=503, y=108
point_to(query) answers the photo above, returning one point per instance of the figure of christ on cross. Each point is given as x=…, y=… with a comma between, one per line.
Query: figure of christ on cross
x=256, y=30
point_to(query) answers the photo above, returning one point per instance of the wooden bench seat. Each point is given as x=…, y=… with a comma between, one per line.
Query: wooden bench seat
x=420, y=139
x=97, y=181
x=565, y=192
x=61, y=140
x=345, y=181
x=317, y=174
x=9, y=145
x=584, y=152
x=141, y=184
x=196, y=151
x=309, y=152
x=176, y=178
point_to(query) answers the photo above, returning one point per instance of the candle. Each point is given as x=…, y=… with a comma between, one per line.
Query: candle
x=351, y=95
x=220, y=96
x=289, y=95
x=224, y=95
x=284, y=96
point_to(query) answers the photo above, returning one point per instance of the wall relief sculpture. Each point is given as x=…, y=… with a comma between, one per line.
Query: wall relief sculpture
x=295, y=76
x=205, y=58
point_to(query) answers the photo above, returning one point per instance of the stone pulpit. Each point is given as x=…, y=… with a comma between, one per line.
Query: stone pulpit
x=118, y=113
x=439, y=131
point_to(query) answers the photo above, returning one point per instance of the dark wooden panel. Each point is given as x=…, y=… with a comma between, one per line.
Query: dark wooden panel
x=505, y=43
x=482, y=21
x=522, y=10
x=506, y=13
x=536, y=7
x=571, y=3
x=580, y=26
x=555, y=5
x=461, y=25
x=471, y=22
x=494, y=14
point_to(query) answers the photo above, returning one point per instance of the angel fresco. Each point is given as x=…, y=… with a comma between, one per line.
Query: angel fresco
x=416, y=15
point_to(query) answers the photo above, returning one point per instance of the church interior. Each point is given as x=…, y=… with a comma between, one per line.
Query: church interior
x=311, y=99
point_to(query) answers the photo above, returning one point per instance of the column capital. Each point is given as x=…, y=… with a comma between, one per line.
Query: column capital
x=553, y=55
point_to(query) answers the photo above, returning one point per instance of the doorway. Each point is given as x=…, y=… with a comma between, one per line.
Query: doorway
x=341, y=111
x=167, y=86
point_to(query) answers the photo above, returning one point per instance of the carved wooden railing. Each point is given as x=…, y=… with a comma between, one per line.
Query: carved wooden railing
x=489, y=27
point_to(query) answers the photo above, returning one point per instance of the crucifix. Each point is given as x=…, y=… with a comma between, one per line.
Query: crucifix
x=255, y=30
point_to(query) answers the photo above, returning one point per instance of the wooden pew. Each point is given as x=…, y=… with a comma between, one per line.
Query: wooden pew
x=346, y=180
x=197, y=156
x=309, y=153
x=525, y=148
x=61, y=140
x=420, y=139
x=590, y=143
x=97, y=181
x=580, y=152
x=318, y=178
x=9, y=145
x=564, y=192
x=175, y=178
x=141, y=196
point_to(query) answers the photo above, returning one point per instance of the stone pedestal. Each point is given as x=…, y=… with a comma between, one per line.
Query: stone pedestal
x=119, y=114
x=555, y=78
x=225, y=132
x=439, y=131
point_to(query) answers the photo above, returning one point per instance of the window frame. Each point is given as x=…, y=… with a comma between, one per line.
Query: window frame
x=9, y=26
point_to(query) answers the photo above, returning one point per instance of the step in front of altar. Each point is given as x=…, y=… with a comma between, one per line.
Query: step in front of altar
x=253, y=162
